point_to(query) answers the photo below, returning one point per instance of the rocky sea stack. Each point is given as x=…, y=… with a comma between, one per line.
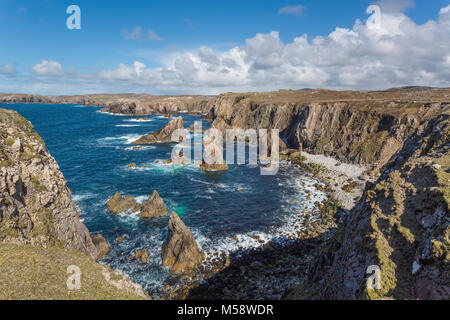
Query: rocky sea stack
x=153, y=207
x=118, y=204
x=163, y=135
x=180, y=251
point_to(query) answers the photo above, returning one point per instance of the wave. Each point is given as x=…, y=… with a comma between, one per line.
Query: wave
x=295, y=209
x=139, y=120
x=125, y=139
x=126, y=125
x=142, y=148
x=112, y=114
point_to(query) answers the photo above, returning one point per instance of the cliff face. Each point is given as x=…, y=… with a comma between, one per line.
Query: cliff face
x=35, y=203
x=401, y=224
x=362, y=132
x=132, y=104
x=161, y=105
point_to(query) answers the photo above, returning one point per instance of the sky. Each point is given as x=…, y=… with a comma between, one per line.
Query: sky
x=211, y=47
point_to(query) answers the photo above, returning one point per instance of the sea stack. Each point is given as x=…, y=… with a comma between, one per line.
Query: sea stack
x=153, y=207
x=180, y=251
x=162, y=135
x=118, y=204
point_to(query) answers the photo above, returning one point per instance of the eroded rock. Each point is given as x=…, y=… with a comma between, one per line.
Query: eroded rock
x=118, y=204
x=153, y=207
x=162, y=135
x=180, y=251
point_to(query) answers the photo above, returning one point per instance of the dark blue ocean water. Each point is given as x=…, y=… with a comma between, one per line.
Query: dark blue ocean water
x=93, y=150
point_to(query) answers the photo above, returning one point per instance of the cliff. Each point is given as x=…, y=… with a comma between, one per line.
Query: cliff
x=38, y=217
x=368, y=131
x=401, y=224
x=132, y=104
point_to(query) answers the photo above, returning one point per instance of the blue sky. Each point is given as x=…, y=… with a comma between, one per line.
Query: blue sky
x=34, y=33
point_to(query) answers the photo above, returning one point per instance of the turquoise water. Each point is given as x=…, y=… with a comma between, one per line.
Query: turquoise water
x=93, y=150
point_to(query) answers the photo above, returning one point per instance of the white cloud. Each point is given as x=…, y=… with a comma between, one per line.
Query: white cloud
x=47, y=68
x=386, y=50
x=138, y=34
x=293, y=9
x=8, y=70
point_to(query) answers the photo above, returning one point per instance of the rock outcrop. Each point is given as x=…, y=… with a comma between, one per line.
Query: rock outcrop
x=180, y=251
x=101, y=245
x=118, y=204
x=153, y=207
x=141, y=255
x=349, y=126
x=214, y=166
x=401, y=225
x=35, y=204
x=162, y=135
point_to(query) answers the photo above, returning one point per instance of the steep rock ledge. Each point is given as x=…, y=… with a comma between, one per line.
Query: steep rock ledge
x=401, y=224
x=35, y=203
x=40, y=231
x=363, y=132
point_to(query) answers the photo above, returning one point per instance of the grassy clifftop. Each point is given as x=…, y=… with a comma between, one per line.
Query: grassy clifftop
x=31, y=272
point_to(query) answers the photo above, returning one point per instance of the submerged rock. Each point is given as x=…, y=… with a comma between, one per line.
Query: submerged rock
x=132, y=165
x=180, y=251
x=118, y=204
x=162, y=135
x=153, y=207
x=214, y=167
x=101, y=245
x=140, y=255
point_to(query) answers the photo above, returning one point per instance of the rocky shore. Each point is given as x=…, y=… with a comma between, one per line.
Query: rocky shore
x=40, y=230
x=383, y=158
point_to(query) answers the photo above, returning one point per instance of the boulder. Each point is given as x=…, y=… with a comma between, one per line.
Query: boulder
x=180, y=251
x=118, y=204
x=162, y=135
x=214, y=166
x=153, y=207
x=141, y=255
x=101, y=245
x=132, y=165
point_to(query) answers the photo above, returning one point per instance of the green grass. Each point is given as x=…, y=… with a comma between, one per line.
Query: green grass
x=29, y=272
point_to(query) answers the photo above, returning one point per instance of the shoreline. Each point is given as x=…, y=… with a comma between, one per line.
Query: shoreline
x=344, y=180
x=217, y=274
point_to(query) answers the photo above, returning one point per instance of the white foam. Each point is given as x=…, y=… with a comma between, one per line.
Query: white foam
x=138, y=120
x=81, y=197
x=126, y=125
x=113, y=114
x=142, y=148
x=127, y=139
x=141, y=199
x=292, y=223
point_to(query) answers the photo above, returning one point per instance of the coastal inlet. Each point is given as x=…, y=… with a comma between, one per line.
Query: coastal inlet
x=233, y=210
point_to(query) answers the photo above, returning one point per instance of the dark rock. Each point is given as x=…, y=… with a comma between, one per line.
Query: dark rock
x=101, y=245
